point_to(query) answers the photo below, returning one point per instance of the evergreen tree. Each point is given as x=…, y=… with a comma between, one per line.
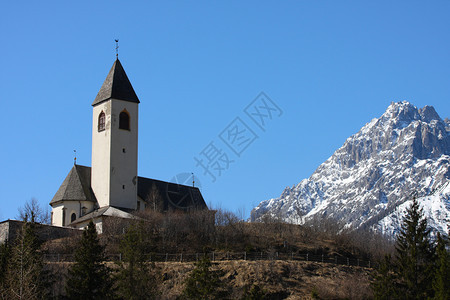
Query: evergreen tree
x=414, y=253
x=255, y=293
x=89, y=277
x=384, y=284
x=25, y=277
x=134, y=280
x=441, y=282
x=202, y=283
x=5, y=252
x=411, y=275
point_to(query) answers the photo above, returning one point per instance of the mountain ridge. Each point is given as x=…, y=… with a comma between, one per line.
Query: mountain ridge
x=403, y=153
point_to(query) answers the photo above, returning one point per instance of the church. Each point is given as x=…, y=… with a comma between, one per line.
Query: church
x=111, y=187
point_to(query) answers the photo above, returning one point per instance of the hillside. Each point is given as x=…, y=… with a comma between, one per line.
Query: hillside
x=283, y=259
x=278, y=279
x=188, y=234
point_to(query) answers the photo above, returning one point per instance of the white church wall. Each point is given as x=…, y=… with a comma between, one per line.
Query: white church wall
x=69, y=207
x=89, y=207
x=57, y=213
x=114, y=155
x=62, y=212
x=124, y=154
x=101, y=149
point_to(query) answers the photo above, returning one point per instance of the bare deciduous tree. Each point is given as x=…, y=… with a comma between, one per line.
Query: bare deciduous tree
x=33, y=212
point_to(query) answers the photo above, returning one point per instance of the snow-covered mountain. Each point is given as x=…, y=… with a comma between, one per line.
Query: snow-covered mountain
x=369, y=181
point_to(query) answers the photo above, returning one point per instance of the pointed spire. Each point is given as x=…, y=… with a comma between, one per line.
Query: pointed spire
x=117, y=86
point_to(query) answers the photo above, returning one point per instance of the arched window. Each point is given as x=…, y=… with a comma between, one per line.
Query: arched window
x=73, y=217
x=124, y=120
x=101, y=121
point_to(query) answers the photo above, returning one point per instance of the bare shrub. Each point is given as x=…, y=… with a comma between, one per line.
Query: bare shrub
x=355, y=286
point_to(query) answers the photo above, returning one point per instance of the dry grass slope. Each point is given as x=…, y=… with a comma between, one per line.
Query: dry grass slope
x=280, y=279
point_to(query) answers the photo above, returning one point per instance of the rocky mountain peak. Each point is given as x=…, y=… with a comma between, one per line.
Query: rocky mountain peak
x=428, y=114
x=402, y=112
x=366, y=180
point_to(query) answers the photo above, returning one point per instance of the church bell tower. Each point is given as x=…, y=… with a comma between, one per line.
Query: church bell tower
x=115, y=141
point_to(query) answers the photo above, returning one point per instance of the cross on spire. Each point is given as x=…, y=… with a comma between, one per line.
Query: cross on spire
x=117, y=48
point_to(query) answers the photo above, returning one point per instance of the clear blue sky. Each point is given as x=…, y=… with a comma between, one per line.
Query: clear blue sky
x=330, y=66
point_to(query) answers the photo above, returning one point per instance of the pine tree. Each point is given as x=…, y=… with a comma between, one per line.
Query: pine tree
x=441, y=282
x=134, y=280
x=414, y=253
x=202, y=283
x=25, y=277
x=89, y=277
x=5, y=253
x=384, y=283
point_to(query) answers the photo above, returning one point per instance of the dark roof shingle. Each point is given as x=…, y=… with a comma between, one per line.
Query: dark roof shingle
x=76, y=186
x=117, y=86
x=165, y=196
